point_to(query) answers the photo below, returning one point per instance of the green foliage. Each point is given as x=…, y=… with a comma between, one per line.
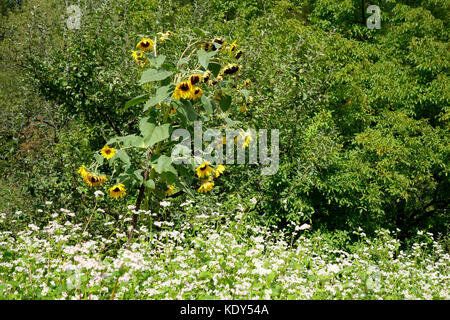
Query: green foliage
x=363, y=114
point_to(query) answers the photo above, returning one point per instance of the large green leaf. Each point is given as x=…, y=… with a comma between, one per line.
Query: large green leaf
x=183, y=61
x=131, y=140
x=164, y=164
x=225, y=103
x=157, y=61
x=136, y=100
x=207, y=104
x=146, y=126
x=98, y=159
x=162, y=94
x=246, y=93
x=122, y=155
x=149, y=184
x=154, y=75
x=137, y=175
x=157, y=134
x=203, y=57
x=189, y=110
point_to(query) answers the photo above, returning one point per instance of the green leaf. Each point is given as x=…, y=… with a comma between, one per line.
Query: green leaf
x=162, y=94
x=157, y=61
x=146, y=127
x=137, y=175
x=200, y=32
x=98, y=158
x=154, y=75
x=246, y=93
x=207, y=104
x=183, y=61
x=203, y=57
x=189, y=110
x=132, y=140
x=156, y=135
x=122, y=155
x=215, y=68
x=225, y=103
x=149, y=184
x=164, y=164
x=136, y=100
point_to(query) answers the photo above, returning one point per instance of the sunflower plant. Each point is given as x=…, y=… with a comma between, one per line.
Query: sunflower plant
x=200, y=85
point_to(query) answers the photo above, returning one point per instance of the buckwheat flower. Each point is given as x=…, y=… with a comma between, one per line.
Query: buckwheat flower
x=131, y=207
x=164, y=204
x=49, y=203
x=101, y=210
x=39, y=210
x=18, y=213
x=98, y=193
x=253, y=200
x=304, y=226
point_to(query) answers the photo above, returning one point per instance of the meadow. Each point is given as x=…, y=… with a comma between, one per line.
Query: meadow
x=183, y=149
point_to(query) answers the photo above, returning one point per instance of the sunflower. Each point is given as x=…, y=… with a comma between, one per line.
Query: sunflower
x=246, y=142
x=194, y=79
x=146, y=44
x=136, y=56
x=196, y=93
x=204, y=170
x=183, y=90
x=206, y=76
x=108, y=152
x=219, y=41
x=82, y=171
x=172, y=111
x=170, y=190
x=219, y=170
x=117, y=191
x=217, y=80
x=206, y=187
x=164, y=36
x=238, y=55
x=230, y=69
x=94, y=180
x=247, y=83
x=233, y=46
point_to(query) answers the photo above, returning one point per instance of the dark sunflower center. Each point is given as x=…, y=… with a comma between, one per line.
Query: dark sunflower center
x=145, y=44
x=116, y=189
x=197, y=91
x=108, y=151
x=195, y=79
x=184, y=87
x=231, y=70
x=203, y=167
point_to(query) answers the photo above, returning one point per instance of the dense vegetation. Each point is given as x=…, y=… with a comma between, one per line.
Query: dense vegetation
x=363, y=119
